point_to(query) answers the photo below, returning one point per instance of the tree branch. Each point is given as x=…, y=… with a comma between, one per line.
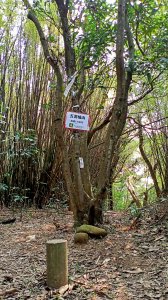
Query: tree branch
x=145, y=93
x=100, y=126
x=131, y=50
x=147, y=161
x=69, y=51
x=51, y=60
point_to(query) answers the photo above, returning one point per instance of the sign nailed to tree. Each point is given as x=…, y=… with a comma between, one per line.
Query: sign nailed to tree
x=77, y=121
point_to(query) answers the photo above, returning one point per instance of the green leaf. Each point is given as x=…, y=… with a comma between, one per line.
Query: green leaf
x=52, y=38
x=100, y=106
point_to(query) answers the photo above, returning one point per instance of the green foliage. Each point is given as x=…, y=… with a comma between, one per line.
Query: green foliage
x=22, y=146
x=29, y=142
x=18, y=195
x=100, y=107
x=3, y=187
x=149, y=26
x=98, y=31
x=134, y=210
x=120, y=195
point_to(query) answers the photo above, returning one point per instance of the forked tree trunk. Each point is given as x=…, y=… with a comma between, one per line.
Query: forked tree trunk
x=77, y=180
x=119, y=110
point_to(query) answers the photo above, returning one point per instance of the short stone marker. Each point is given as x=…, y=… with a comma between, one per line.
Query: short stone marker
x=57, y=263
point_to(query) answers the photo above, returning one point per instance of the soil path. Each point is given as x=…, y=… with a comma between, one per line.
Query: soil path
x=125, y=265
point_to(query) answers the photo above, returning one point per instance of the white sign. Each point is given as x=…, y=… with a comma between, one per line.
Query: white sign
x=81, y=162
x=68, y=88
x=77, y=121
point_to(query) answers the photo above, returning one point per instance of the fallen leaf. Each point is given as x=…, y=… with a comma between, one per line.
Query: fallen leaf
x=106, y=261
x=30, y=238
x=136, y=271
x=63, y=289
x=11, y=291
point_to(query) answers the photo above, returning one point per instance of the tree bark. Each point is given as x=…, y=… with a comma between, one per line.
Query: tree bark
x=80, y=177
x=77, y=179
x=119, y=110
x=147, y=161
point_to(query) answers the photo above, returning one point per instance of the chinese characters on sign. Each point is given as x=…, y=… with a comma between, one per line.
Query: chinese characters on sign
x=77, y=121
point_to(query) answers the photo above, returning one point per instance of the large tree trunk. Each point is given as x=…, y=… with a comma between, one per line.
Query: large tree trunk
x=119, y=111
x=79, y=176
x=77, y=179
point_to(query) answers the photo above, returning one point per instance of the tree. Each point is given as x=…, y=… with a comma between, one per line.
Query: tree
x=120, y=106
x=89, y=50
x=77, y=180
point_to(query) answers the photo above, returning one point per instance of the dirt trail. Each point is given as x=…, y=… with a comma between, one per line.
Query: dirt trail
x=125, y=265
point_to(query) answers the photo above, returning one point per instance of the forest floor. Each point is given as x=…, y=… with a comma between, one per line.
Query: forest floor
x=125, y=265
